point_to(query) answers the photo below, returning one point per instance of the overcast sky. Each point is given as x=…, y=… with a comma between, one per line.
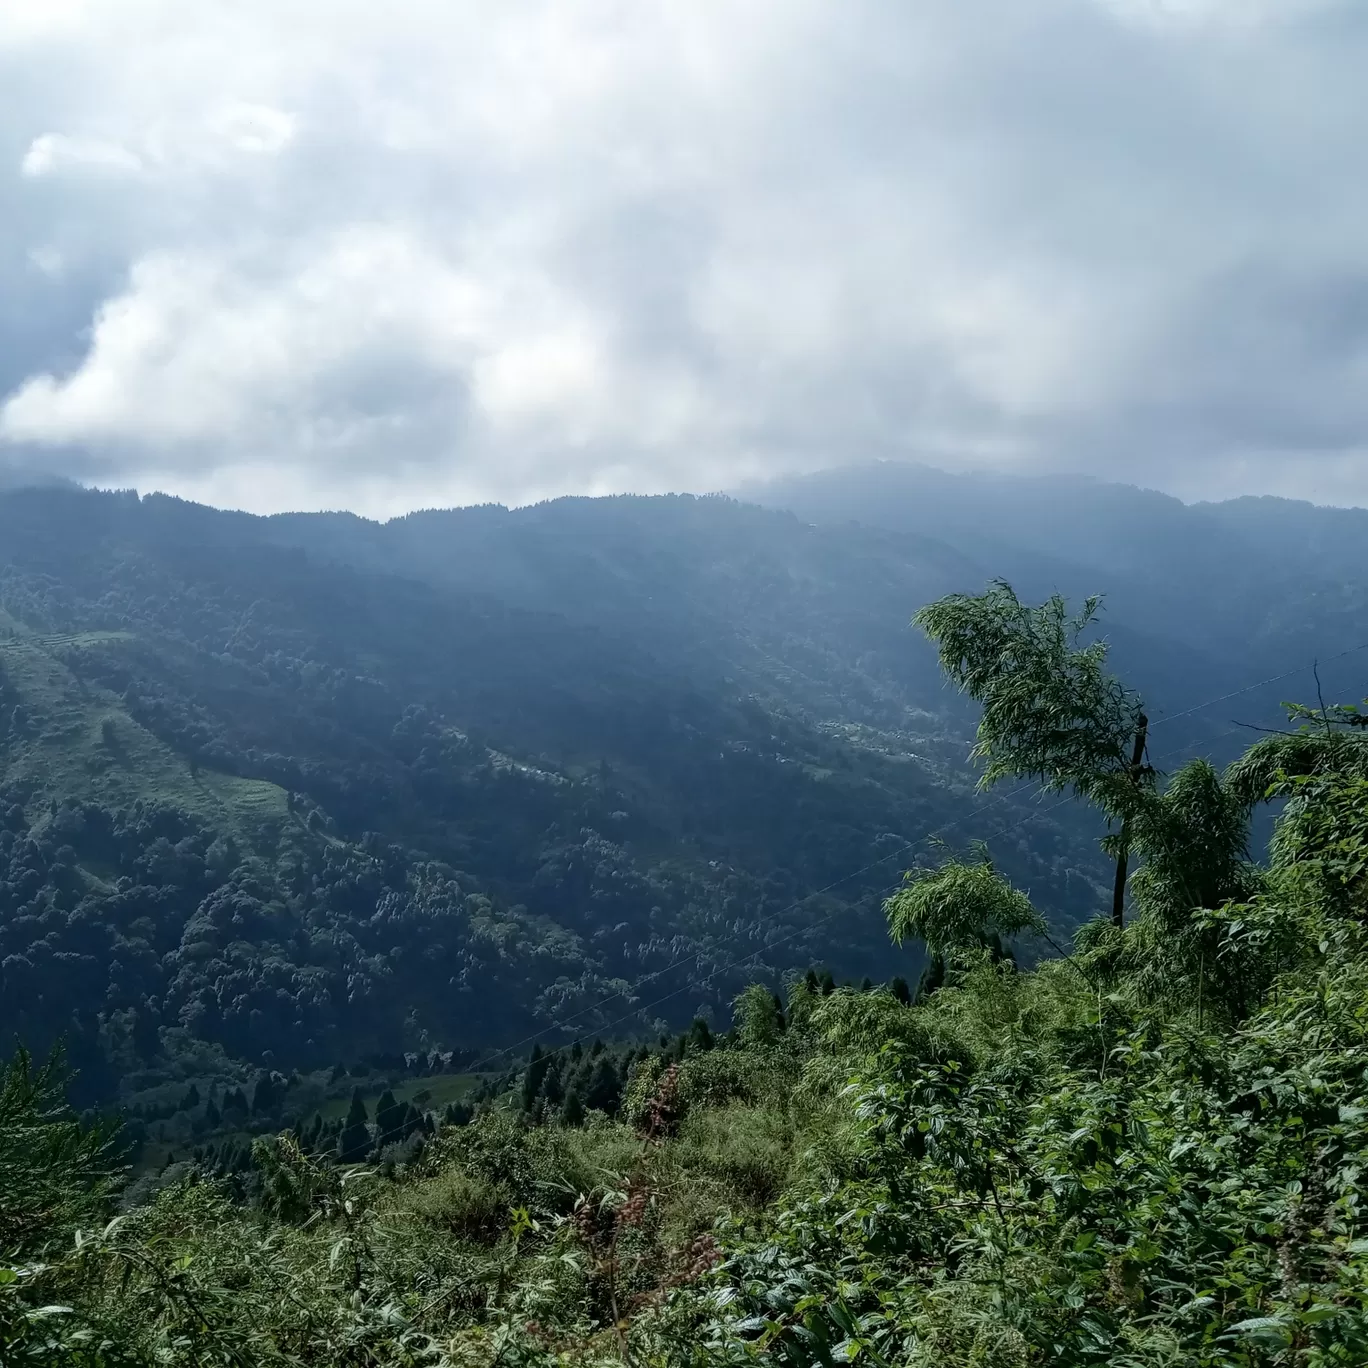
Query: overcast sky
x=286, y=253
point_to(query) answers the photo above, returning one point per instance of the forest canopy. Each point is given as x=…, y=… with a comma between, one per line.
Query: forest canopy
x=1141, y=1148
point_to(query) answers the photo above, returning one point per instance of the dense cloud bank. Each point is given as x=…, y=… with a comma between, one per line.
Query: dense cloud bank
x=432, y=253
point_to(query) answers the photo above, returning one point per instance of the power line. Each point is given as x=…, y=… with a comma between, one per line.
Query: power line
x=903, y=847
x=1249, y=688
x=900, y=849
x=769, y=945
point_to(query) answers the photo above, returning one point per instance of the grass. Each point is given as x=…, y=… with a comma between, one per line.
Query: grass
x=441, y=1089
x=78, y=741
x=160, y=1145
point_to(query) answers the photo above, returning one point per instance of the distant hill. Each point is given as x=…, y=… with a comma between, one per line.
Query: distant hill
x=301, y=788
x=1246, y=580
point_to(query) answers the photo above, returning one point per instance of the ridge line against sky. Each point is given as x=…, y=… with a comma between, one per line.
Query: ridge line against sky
x=439, y=253
x=771, y=493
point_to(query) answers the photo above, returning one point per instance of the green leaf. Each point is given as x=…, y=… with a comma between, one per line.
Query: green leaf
x=1316, y=1314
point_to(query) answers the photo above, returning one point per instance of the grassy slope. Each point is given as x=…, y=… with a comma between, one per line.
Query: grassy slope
x=78, y=739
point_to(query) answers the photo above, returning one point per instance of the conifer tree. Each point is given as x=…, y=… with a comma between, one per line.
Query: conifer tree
x=535, y=1075
x=572, y=1113
x=266, y=1096
x=605, y=1086
x=553, y=1084
x=354, y=1143
x=389, y=1119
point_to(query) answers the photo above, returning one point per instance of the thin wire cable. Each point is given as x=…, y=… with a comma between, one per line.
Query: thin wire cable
x=909, y=844
x=826, y=916
x=901, y=848
x=1249, y=688
x=731, y=965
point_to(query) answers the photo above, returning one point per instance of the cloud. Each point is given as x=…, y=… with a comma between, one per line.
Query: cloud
x=53, y=153
x=433, y=251
x=254, y=128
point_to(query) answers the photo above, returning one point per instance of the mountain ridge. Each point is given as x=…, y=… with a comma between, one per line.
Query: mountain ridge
x=466, y=773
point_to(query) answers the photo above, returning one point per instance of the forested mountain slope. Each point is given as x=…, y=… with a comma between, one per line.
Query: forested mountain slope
x=1249, y=579
x=297, y=789
x=1146, y=1150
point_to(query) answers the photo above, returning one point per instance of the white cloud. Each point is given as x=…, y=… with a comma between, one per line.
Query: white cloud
x=47, y=259
x=1175, y=16
x=52, y=153
x=438, y=250
x=254, y=128
x=199, y=354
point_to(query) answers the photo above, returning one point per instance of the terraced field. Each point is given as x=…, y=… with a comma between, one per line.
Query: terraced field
x=68, y=738
x=54, y=641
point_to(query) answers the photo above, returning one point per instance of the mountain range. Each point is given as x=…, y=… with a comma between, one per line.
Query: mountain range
x=292, y=790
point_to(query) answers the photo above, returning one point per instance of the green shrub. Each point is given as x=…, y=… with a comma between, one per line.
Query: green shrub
x=471, y=1206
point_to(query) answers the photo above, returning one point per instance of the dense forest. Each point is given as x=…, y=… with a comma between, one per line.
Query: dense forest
x=1136, y=1141
x=297, y=798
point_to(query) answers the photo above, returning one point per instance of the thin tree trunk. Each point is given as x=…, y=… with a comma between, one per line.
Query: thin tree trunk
x=1123, y=859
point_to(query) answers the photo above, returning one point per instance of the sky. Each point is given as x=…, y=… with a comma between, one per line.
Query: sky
x=283, y=254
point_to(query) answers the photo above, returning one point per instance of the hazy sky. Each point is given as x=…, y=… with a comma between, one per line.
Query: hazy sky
x=288, y=253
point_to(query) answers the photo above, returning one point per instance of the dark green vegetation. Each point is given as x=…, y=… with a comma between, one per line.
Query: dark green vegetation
x=1147, y=1151
x=281, y=794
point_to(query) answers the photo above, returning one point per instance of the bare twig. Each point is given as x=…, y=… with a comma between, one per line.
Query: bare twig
x=1325, y=716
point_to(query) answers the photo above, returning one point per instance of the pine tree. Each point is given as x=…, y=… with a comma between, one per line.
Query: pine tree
x=534, y=1077
x=932, y=977
x=389, y=1119
x=572, y=1113
x=354, y=1143
x=266, y=1097
x=605, y=1086
x=553, y=1085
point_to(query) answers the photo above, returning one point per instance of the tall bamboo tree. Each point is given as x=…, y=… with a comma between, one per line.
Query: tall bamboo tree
x=1051, y=709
